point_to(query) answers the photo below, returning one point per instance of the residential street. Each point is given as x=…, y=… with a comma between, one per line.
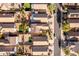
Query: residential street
x=62, y=37
x=54, y=26
x=57, y=32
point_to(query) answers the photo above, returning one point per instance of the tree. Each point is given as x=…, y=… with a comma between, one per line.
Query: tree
x=23, y=28
x=27, y=6
x=30, y=39
x=67, y=51
x=66, y=26
x=65, y=8
x=51, y=8
x=78, y=52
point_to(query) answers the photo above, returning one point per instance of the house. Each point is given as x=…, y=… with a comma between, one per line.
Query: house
x=8, y=44
x=7, y=27
x=36, y=6
x=9, y=39
x=39, y=13
x=40, y=25
x=40, y=17
x=7, y=16
x=35, y=31
x=74, y=32
x=9, y=6
x=70, y=5
x=40, y=50
x=72, y=17
x=7, y=50
x=7, y=20
x=40, y=40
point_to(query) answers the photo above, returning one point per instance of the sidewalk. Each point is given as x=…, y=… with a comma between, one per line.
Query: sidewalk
x=51, y=25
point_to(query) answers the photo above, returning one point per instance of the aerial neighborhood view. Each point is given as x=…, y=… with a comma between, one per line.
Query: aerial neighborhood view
x=39, y=29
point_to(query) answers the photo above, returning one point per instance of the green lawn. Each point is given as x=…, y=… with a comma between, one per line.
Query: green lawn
x=27, y=5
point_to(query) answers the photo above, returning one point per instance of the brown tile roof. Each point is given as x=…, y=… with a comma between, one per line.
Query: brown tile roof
x=6, y=48
x=39, y=48
x=73, y=20
x=7, y=25
x=39, y=38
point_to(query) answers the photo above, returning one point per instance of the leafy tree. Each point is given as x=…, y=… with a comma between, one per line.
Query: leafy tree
x=78, y=52
x=27, y=5
x=51, y=8
x=30, y=39
x=66, y=51
x=66, y=26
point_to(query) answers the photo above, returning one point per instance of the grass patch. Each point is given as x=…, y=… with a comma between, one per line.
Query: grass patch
x=27, y=6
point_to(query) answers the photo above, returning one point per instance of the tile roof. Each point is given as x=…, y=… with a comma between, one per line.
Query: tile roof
x=4, y=40
x=39, y=15
x=7, y=25
x=73, y=33
x=12, y=40
x=6, y=48
x=38, y=24
x=73, y=20
x=39, y=38
x=39, y=6
x=39, y=48
x=6, y=14
x=73, y=11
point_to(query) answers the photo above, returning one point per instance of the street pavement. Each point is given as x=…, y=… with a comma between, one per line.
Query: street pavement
x=54, y=26
x=57, y=32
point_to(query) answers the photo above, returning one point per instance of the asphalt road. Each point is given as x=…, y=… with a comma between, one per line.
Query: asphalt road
x=57, y=31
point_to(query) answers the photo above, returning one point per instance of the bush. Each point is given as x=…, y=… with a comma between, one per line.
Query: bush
x=65, y=33
x=30, y=39
x=52, y=8
x=20, y=28
x=66, y=26
x=66, y=51
x=27, y=29
x=2, y=36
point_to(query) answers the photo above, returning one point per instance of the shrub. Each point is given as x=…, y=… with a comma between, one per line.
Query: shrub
x=66, y=51
x=52, y=8
x=66, y=26
x=30, y=39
